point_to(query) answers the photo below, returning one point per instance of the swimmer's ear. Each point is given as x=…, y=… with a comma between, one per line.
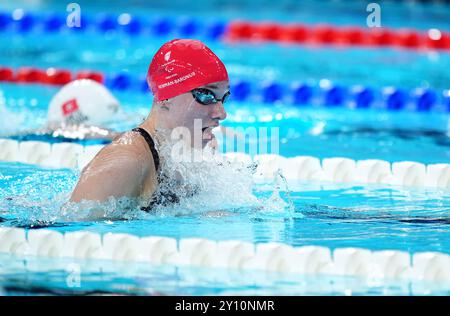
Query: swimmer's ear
x=163, y=104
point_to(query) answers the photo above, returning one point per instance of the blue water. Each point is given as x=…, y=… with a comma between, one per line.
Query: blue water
x=304, y=130
x=330, y=215
x=268, y=62
x=325, y=214
x=336, y=215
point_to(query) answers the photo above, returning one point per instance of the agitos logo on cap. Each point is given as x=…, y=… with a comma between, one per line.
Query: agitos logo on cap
x=182, y=65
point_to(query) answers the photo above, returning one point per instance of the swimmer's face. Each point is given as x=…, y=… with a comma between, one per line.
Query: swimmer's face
x=184, y=110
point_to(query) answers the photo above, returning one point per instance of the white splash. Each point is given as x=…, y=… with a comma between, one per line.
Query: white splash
x=212, y=185
x=218, y=183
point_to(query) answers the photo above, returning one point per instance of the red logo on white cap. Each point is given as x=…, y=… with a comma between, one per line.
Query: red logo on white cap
x=69, y=107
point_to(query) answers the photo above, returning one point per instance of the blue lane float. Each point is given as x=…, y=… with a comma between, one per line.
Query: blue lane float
x=25, y=23
x=446, y=99
x=119, y=81
x=335, y=96
x=272, y=92
x=396, y=99
x=5, y=20
x=302, y=93
x=22, y=22
x=162, y=26
x=426, y=99
x=241, y=90
x=54, y=22
x=130, y=25
x=363, y=97
x=214, y=30
x=106, y=22
x=187, y=26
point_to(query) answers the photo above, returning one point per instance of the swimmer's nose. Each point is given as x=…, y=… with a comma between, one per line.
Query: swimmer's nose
x=219, y=111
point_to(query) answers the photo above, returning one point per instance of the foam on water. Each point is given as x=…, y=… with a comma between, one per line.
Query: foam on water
x=218, y=184
x=275, y=202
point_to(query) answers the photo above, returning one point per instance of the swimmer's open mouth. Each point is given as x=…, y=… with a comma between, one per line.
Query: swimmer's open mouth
x=207, y=132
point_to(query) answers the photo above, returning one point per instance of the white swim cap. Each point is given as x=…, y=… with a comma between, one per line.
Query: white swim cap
x=83, y=101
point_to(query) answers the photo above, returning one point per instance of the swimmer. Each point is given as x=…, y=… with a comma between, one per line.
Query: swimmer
x=189, y=82
x=76, y=113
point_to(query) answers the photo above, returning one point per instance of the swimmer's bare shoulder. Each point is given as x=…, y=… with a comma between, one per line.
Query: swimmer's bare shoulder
x=123, y=168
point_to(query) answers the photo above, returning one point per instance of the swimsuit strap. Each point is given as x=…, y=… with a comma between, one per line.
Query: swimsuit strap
x=151, y=144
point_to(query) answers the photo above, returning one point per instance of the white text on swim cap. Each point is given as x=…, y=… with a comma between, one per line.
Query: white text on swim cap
x=181, y=79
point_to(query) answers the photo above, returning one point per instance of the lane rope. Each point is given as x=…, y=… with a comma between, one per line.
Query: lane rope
x=230, y=254
x=325, y=93
x=324, y=34
x=21, y=21
x=303, y=168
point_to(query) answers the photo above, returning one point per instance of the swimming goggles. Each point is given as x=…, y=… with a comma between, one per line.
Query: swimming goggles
x=206, y=97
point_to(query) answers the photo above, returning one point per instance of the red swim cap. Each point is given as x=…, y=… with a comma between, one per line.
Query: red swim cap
x=182, y=65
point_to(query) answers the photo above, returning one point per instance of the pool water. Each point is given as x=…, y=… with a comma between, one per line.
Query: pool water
x=375, y=217
x=326, y=214
x=365, y=66
x=307, y=130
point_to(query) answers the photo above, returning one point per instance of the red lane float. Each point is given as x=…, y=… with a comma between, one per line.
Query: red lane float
x=240, y=30
x=57, y=76
x=380, y=37
x=437, y=39
x=87, y=74
x=30, y=75
x=50, y=76
x=6, y=74
x=331, y=35
x=295, y=33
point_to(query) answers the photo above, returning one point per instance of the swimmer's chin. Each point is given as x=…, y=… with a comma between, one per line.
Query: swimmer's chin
x=211, y=143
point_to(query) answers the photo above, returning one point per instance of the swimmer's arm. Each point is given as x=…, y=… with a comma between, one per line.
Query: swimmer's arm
x=112, y=173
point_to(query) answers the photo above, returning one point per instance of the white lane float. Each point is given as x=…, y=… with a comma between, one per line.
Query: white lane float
x=304, y=168
x=230, y=254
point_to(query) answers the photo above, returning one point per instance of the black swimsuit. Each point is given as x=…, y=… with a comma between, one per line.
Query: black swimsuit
x=158, y=198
